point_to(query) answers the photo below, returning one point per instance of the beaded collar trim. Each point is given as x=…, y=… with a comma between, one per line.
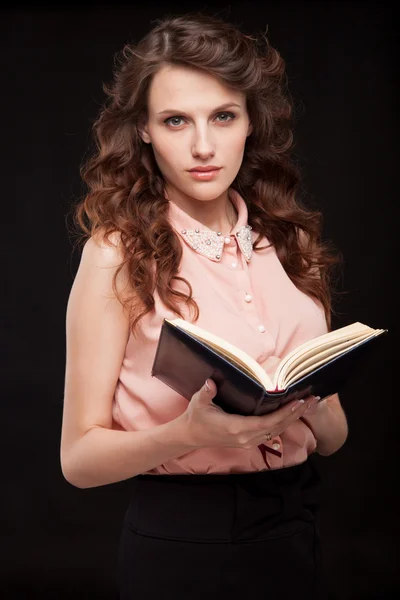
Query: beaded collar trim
x=210, y=243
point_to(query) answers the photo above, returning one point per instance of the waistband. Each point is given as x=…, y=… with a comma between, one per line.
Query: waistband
x=223, y=508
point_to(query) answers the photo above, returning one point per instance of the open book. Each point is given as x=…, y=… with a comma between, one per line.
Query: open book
x=187, y=355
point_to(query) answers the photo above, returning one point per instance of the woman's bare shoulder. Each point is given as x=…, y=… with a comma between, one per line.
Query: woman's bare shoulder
x=104, y=251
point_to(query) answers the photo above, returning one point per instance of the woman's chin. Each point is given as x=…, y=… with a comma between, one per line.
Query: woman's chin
x=204, y=191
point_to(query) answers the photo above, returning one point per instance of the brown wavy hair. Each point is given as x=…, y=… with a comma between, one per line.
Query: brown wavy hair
x=126, y=198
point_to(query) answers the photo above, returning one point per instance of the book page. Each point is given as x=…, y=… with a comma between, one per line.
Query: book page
x=300, y=369
x=296, y=368
x=312, y=355
x=229, y=351
x=332, y=338
x=233, y=359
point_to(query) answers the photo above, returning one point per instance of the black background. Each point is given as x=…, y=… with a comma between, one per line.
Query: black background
x=59, y=541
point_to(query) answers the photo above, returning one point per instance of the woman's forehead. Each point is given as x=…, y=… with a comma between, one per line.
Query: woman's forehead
x=175, y=87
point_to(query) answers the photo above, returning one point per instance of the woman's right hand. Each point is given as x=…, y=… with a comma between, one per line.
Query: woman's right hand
x=208, y=425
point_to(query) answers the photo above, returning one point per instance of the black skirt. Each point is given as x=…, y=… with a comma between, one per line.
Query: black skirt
x=233, y=536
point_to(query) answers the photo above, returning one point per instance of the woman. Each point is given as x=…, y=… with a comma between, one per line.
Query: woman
x=192, y=212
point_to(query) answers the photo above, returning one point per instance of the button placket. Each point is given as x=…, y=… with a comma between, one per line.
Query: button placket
x=231, y=255
x=246, y=298
x=248, y=302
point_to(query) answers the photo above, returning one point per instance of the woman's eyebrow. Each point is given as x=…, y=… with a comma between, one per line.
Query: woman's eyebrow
x=182, y=112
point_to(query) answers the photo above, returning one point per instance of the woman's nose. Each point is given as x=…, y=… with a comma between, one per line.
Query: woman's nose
x=203, y=146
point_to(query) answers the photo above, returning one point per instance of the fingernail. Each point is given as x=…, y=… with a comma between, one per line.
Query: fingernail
x=206, y=385
x=312, y=403
x=298, y=404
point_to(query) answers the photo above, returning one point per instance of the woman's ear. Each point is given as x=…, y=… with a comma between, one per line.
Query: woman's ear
x=144, y=135
x=250, y=129
x=143, y=132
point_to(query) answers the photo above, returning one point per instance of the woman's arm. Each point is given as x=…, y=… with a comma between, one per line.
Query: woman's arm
x=97, y=331
x=103, y=456
x=328, y=423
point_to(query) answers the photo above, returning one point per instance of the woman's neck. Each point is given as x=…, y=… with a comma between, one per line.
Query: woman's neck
x=218, y=214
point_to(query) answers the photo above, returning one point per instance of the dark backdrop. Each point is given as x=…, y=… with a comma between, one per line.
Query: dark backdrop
x=59, y=541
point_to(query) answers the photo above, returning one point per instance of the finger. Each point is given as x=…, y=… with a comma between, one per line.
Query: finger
x=206, y=393
x=270, y=421
x=281, y=414
x=297, y=409
x=289, y=413
x=298, y=412
x=291, y=407
x=312, y=409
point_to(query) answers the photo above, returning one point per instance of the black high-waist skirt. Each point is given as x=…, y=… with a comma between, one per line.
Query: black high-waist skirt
x=234, y=536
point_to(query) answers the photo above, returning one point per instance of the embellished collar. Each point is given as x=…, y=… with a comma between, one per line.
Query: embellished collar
x=211, y=243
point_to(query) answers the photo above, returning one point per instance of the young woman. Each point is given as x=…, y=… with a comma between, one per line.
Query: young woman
x=192, y=211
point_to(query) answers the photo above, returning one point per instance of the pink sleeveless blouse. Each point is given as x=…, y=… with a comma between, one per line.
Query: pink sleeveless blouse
x=245, y=297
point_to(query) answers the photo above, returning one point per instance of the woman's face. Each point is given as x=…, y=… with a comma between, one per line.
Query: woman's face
x=195, y=121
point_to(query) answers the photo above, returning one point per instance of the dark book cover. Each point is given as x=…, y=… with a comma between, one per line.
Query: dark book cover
x=183, y=362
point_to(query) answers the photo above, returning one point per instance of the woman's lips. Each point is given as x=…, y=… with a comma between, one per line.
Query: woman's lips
x=204, y=175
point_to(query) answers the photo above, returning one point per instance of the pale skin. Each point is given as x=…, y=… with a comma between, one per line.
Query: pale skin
x=93, y=452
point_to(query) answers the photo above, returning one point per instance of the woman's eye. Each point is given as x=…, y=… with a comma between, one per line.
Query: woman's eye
x=227, y=116
x=174, y=121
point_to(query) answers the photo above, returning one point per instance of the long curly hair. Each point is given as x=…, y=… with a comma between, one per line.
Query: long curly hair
x=126, y=199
